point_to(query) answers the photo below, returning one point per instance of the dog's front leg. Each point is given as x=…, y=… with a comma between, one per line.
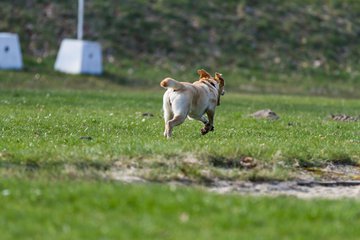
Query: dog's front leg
x=209, y=126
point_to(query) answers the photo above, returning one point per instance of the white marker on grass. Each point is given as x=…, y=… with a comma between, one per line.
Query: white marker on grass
x=10, y=52
x=77, y=56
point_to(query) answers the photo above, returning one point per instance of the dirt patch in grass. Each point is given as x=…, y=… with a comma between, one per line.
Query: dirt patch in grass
x=244, y=176
x=300, y=189
x=332, y=181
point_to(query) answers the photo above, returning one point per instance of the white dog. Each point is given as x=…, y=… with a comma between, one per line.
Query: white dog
x=192, y=100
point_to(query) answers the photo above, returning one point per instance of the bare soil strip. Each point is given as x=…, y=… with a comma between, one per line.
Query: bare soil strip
x=329, y=182
x=305, y=190
x=299, y=189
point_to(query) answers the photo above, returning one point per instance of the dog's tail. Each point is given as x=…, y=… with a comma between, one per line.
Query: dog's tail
x=171, y=83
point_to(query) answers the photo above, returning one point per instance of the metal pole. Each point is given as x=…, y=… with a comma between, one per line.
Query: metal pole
x=80, y=20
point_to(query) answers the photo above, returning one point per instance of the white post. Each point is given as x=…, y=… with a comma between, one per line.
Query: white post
x=80, y=20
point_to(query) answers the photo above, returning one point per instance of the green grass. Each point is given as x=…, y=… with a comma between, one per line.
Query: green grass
x=47, y=128
x=57, y=185
x=139, y=74
x=35, y=209
x=62, y=136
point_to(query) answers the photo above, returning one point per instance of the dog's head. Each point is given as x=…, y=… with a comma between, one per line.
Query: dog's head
x=218, y=79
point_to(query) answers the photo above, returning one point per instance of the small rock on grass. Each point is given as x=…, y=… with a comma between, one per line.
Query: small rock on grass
x=248, y=162
x=147, y=114
x=343, y=118
x=265, y=114
x=85, y=138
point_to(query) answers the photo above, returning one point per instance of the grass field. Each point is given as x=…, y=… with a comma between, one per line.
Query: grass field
x=57, y=147
x=68, y=143
x=38, y=209
x=50, y=127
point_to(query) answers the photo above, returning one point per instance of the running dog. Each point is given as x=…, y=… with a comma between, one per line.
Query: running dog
x=192, y=100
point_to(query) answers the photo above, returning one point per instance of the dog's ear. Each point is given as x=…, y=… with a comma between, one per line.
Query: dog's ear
x=203, y=74
x=218, y=77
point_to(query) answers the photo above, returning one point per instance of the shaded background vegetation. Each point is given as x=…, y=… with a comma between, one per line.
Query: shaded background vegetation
x=310, y=38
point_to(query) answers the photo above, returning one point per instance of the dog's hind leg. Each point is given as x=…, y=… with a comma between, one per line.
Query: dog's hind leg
x=177, y=120
x=168, y=115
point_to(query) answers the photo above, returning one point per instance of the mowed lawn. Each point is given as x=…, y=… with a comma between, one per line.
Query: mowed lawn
x=63, y=209
x=72, y=126
x=42, y=133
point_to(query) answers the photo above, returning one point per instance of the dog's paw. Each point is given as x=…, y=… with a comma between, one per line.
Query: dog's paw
x=204, y=131
x=207, y=129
